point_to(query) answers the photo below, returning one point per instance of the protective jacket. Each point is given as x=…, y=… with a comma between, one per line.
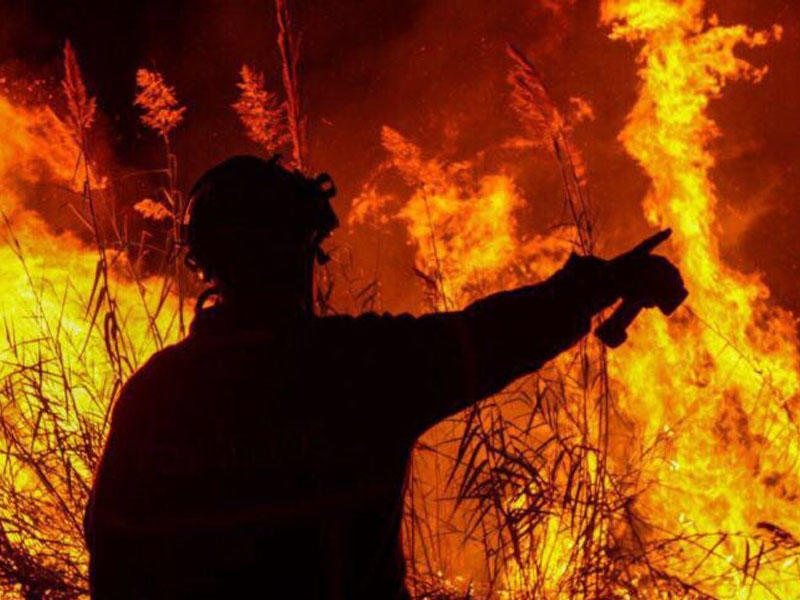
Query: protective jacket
x=250, y=462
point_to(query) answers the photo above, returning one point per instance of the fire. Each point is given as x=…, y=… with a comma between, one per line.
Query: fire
x=703, y=455
x=464, y=225
x=666, y=469
x=719, y=386
x=57, y=370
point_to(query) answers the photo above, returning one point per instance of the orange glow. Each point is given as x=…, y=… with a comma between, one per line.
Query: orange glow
x=703, y=402
x=715, y=389
x=463, y=226
x=56, y=372
x=666, y=469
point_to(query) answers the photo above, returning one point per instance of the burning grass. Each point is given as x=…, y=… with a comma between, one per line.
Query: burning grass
x=79, y=319
x=666, y=470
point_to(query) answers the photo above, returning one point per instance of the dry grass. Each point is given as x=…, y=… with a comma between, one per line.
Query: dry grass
x=261, y=112
x=527, y=469
x=532, y=475
x=58, y=381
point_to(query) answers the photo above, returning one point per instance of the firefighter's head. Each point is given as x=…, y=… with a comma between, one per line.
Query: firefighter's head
x=254, y=227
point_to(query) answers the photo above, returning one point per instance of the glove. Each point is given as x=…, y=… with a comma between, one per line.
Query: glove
x=642, y=280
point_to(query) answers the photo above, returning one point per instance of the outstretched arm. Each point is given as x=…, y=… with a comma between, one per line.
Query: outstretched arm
x=435, y=365
x=515, y=332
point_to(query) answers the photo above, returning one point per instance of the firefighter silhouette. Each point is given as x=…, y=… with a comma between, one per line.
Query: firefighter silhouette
x=265, y=455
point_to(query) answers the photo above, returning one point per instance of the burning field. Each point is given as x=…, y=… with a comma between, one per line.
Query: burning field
x=668, y=468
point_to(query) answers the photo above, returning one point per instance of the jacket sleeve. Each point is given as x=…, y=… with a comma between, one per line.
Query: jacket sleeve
x=433, y=366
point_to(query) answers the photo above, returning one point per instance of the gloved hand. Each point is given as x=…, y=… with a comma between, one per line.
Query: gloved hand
x=641, y=279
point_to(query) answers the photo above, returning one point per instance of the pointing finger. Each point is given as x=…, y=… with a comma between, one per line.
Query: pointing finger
x=650, y=244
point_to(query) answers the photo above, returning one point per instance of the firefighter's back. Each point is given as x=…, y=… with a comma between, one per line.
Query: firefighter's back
x=246, y=462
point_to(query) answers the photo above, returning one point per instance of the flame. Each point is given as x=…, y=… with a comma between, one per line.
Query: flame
x=462, y=224
x=706, y=400
x=720, y=382
x=56, y=371
x=702, y=461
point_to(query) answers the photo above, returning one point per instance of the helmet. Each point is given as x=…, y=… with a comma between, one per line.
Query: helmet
x=247, y=202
